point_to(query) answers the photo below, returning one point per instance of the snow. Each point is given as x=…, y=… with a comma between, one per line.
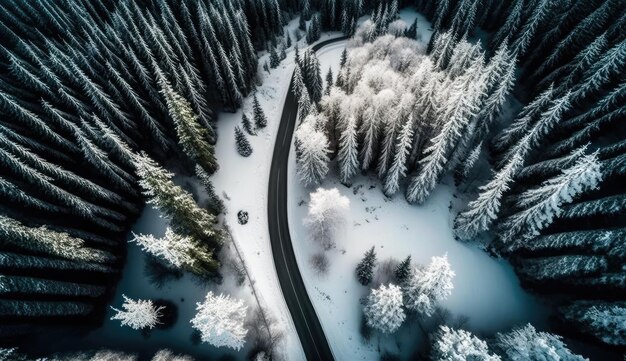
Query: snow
x=243, y=184
x=485, y=289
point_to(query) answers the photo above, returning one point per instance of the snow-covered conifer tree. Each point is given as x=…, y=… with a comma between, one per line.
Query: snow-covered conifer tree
x=348, y=160
x=138, y=314
x=383, y=311
x=427, y=287
x=327, y=212
x=458, y=345
x=312, y=152
x=526, y=343
x=399, y=164
x=243, y=145
x=215, y=202
x=605, y=321
x=186, y=217
x=541, y=205
x=403, y=271
x=191, y=135
x=220, y=320
x=329, y=81
x=484, y=210
x=260, y=120
x=247, y=124
x=365, y=267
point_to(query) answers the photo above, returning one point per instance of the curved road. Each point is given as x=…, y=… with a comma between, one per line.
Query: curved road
x=302, y=312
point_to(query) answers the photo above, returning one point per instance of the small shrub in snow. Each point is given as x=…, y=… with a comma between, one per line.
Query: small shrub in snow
x=242, y=217
x=320, y=263
x=383, y=310
x=138, y=314
x=327, y=212
x=220, y=320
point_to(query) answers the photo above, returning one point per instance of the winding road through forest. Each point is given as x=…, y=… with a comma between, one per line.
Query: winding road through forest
x=302, y=312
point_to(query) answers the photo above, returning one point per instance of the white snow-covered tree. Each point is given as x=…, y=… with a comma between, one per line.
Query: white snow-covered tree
x=484, y=210
x=220, y=320
x=175, y=249
x=398, y=165
x=541, y=205
x=605, y=321
x=327, y=212
x=427, y=287
x=348, y=155
x=312, y=151
x=526, y=343
x=459, y=345
x=383, y=310
x=138, y=314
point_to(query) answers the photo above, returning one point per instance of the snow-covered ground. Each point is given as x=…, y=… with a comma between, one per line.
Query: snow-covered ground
x=243, y=184
x=486, y=289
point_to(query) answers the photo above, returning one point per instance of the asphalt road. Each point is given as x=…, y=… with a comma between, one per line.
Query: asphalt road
x=302, y=312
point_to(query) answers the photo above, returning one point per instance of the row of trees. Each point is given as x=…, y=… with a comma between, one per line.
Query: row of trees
x=98, y=82
x=554, y=198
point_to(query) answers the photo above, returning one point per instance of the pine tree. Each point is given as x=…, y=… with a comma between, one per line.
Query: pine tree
x=186, y=217
x=329, y=81
x=383, y=310
x=451, y=344
x=274, y=59
x=399, y=165
x=365, y=268
x=542, y=204
x=603, y=321
x=243, y=145
x=344, y=58
x=312, y=152
x=260, y=121
x=191, y=135
x=314, y=31
x=220, y=320
x=247, y=125
x=402, y=272
x=525, y=343
x=216, y=205
x=485, y=209
x=348, y=153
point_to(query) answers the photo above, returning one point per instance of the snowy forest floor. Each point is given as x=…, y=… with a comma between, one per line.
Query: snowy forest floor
x=486, y=290
x=242, y=183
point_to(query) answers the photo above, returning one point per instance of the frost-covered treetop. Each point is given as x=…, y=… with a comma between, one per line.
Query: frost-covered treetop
x=526, y=343
x=173, y=248
x=220, y=320
x=459, y=345
x=429, y=286
x=327, y=212
x=383, y=311
x=138, y=314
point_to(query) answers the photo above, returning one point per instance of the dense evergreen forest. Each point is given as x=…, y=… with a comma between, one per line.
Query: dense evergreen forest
x=98, y=97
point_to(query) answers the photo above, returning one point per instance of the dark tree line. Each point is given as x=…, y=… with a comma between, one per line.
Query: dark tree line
x=84, y=86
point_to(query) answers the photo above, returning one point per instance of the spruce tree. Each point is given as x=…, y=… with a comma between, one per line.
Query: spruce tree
x=247, y=125
x=243, y=145
x=260, y=121
x=274, y=59
x=365, y=268
x=402, y=272
x=329, y=81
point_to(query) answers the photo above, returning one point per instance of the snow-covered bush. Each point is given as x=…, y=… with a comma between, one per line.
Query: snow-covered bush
x=327, y=212
x=220, y=320
x=383, y=310
x=459, y=345
x=138, y=314
x=427, y=287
